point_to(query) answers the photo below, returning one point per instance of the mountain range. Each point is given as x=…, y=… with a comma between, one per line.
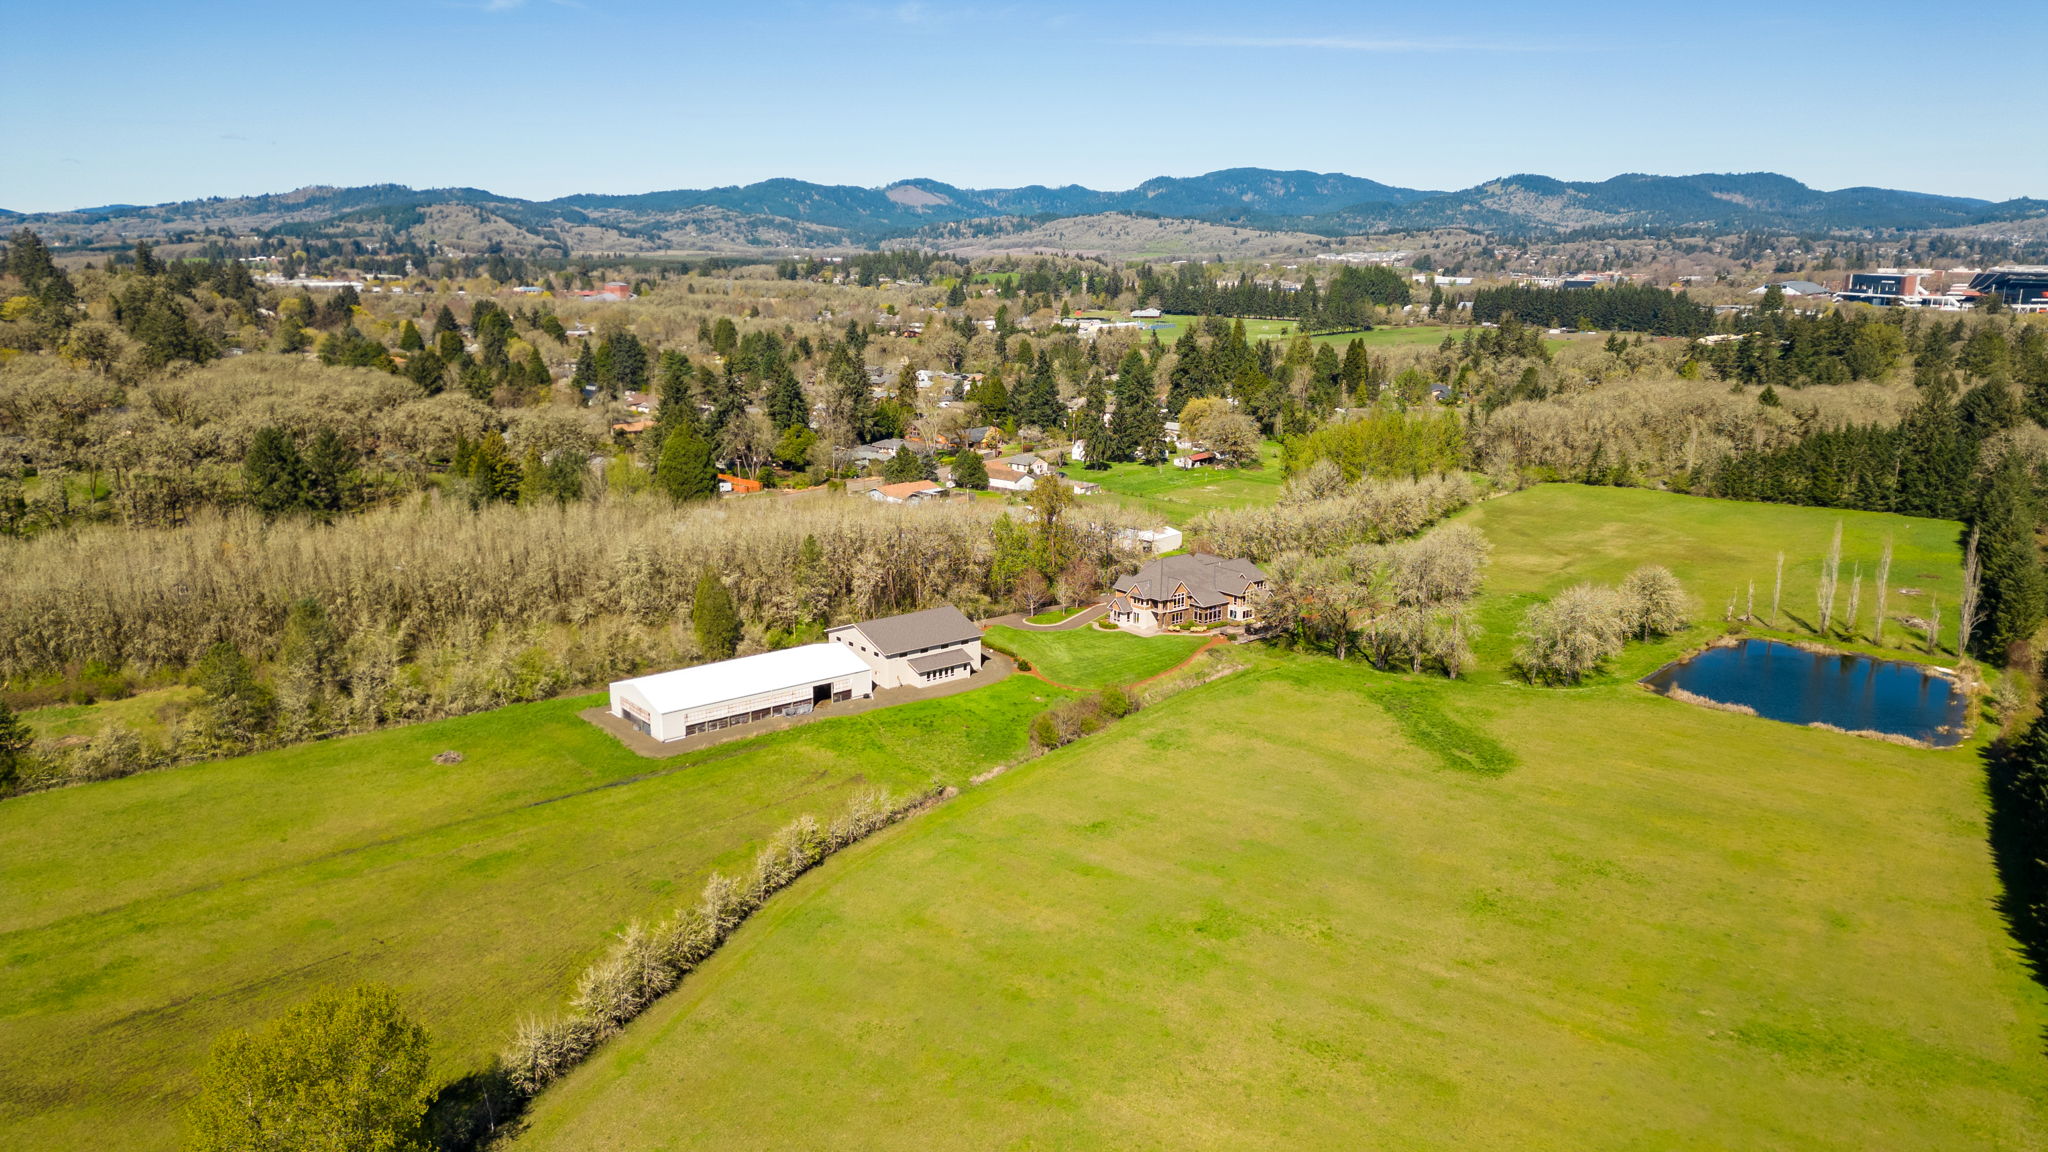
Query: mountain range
x=795, y=213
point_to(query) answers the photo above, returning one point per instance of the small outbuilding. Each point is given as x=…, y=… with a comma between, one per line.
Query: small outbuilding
x=789, y=682
x=915, y=649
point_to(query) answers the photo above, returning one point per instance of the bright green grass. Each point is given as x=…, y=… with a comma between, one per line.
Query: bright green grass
x=1177, y=495
x=143, y=917
x=1088, y=658
x=1056, y=615
x=1552, y=536
x=1308, y=906
x=145, y=713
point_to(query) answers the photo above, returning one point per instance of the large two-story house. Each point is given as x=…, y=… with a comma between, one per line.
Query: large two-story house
x=1176, y=591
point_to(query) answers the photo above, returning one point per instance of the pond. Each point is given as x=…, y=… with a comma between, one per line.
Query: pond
x=1847, y=691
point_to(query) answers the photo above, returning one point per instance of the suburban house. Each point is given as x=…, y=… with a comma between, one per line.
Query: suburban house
x=1004, y=478
x=1175, y=591
x=789, y=682
x=908, y=492
x=1201, y=459
x=1150, y=540
x=983, y=436
x=1081, y=487
x=1029, y=462
x=915, y=649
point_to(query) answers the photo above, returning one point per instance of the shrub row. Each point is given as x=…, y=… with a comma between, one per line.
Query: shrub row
x=646, y=961
x=1069, y=720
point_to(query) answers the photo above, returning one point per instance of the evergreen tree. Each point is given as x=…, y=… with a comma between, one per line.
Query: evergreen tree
x=970, y=470
x=1935, y=459
x=787, y=406
x=330, y=473
x=991, y=400
x=239, y=709
x=585, y=376
x=713, y=617
x=2013, y=587
x=848, y=400
x=274, y=472
x=15, y=743
x=409, y=338
x=903, y=466
x=444, y=323
x=427, y=370
x=686, y=470
x=1136, y=429
x=493, y=473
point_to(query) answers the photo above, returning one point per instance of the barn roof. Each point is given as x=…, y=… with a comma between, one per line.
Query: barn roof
x=708, y=684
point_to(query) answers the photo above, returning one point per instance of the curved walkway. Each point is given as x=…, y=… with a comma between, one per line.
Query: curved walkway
x=1081, y=619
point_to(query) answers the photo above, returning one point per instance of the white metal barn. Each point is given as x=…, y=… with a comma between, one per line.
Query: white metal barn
x=791, y=682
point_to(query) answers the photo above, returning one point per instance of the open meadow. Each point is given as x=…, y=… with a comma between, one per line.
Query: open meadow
x=1551, y=536
x=1177, y=495
x=145, y=916
x=1311, y=906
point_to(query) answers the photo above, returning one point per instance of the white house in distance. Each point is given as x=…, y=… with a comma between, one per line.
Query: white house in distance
x=789, y=682
x=1152, y=541
x=915, y=649
x=1007, y=479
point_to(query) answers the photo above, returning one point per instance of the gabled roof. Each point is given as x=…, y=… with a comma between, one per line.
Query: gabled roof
x=931, y=628
x=907, y=489
x=708, y=684
x=1210, y=580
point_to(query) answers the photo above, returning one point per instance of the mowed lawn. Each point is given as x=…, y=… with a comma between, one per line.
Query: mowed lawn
x=1177, y=495
x=143, y=917
x=1088, y=658
x=1308, y=906
x=1552, y=536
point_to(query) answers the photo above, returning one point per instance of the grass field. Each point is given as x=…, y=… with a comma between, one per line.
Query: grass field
x=144, y=916
x=1177, y=495
x=1555, y=535
x=1312, y=907
x=144, y=712
x=1087, y=658
x=1421, y=336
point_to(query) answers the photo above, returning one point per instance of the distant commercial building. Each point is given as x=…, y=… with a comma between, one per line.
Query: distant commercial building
x=2023, y=287
x=1885, y=287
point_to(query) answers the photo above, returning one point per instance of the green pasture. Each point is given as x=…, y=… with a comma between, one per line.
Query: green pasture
x=148, y=713
x=143, y=917
x=1551, y=536
x=1176, y=495
x=1092, y=658
x=1310, y=906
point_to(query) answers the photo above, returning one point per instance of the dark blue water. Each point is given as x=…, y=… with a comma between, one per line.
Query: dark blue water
x=1853, y=692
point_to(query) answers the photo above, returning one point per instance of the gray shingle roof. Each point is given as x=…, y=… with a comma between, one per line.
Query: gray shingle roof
x=931, y=628
x=1210, y=580
x=939, y=661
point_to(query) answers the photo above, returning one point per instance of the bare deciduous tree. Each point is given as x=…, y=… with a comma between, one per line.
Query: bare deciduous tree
x=1884, y=578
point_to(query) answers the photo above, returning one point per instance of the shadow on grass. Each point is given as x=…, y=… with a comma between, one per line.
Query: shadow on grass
x=2019, y=850
x=472, y=1112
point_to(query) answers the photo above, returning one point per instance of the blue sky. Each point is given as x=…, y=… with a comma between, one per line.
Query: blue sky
x=120, y=101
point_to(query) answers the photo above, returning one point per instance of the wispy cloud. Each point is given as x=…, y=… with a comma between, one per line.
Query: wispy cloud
x=1331, y=43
